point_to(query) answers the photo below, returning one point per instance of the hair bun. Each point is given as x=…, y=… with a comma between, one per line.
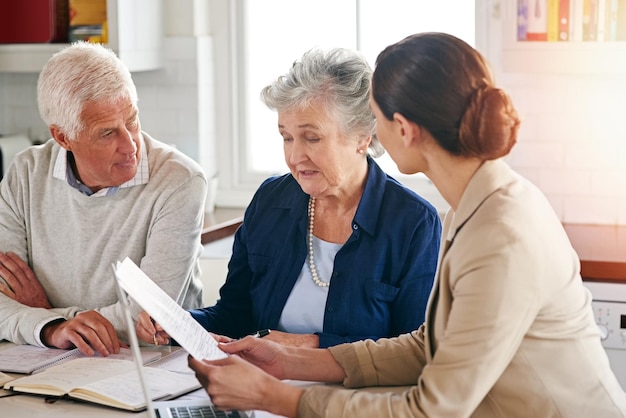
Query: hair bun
x=489, y=126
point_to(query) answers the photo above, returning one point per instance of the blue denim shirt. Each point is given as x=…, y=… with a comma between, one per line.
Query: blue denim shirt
x=382, y=275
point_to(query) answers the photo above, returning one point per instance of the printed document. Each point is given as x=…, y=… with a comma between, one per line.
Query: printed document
x=177, y=322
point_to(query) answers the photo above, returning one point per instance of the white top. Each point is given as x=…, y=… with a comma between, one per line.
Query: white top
x=304, y=311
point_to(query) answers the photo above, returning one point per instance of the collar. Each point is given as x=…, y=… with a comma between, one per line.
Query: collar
x=490, y=177
x=63, y=171
x=367, y=213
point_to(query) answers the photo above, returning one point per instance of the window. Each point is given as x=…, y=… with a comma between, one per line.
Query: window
x=261, y=40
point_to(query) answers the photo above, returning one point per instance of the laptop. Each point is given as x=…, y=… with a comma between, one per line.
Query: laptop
x=181, y=408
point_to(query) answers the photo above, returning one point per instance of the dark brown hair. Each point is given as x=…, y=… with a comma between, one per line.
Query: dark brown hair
x=444, y=85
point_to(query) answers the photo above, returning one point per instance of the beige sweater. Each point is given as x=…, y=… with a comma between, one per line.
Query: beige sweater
x=509, y=330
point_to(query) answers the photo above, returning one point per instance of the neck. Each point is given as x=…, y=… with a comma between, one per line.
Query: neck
x=451, y=175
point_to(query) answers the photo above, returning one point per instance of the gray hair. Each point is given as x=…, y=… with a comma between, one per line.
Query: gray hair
x=80, y=73
x=339, y=79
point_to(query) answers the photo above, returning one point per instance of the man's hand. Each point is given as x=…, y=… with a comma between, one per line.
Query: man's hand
x=21, y=283
x=87, y=331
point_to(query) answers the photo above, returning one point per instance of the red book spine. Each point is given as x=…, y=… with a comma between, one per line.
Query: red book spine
x=564, y=17
x=537, y=29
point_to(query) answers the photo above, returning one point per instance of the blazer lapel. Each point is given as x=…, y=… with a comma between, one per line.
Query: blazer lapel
x=491, y=176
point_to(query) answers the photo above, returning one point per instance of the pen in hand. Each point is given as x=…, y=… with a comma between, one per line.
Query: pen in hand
x=154, y=337
x=261, y=333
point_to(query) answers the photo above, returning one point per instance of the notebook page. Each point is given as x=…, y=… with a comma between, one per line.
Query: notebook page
x=30, y=358
x=175, y=362
x=125, y=389
x=4, y=378
x=177, y=322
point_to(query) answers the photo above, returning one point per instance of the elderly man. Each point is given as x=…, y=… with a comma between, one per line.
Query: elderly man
x=98, y=191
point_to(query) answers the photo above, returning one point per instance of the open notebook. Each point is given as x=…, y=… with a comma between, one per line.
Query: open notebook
x=200, y=408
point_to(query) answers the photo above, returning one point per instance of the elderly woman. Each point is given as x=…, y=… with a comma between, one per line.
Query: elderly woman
x=335, y=251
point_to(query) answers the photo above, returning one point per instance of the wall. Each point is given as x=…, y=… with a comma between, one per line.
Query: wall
x=572, y=143
x=572, y=140
x=175, y=102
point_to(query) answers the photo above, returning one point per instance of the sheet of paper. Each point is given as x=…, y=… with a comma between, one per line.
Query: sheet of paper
x=175, y=362
x=177, y=322
x=126, y=388
x=4, y=378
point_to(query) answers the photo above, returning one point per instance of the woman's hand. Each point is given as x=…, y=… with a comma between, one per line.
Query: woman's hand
x=149, y=331
x=284, y=362
x=294, y=340
x=233, y=383
x=261, y=352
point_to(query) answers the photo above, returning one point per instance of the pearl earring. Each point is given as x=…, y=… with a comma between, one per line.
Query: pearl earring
x=360, y=151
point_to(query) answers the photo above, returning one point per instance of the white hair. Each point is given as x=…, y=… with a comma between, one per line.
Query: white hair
x=78, y=74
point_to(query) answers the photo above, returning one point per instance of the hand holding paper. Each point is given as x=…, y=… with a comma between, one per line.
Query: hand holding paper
x=177, y=322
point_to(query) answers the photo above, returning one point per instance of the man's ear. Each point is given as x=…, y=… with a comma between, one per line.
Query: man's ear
x=410, y=132
x=60, y=137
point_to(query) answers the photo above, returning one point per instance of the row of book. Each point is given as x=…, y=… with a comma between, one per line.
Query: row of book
x=571, y=20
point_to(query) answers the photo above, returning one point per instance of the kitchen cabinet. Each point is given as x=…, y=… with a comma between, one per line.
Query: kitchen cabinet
x=562, y=57
x=602, y=251
x=135, y=33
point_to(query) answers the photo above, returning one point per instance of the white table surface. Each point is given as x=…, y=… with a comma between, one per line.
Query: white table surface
x=32, y=406
x=24, y=405
x=35, y=406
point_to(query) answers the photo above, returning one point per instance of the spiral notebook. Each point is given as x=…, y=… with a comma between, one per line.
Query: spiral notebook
x=30, y=359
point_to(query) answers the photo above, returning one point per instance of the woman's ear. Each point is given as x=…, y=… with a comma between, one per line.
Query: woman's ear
x=410, y=132
x=364, y=143
x=60, y=137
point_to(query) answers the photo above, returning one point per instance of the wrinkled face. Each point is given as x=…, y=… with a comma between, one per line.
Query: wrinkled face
x=321, y=159
x=107, y=150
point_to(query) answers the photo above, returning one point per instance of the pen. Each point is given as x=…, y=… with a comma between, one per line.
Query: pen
x=261, y=333
x=154, y=337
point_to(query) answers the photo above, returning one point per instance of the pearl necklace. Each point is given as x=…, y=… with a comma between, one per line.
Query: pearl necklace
x=312, y=268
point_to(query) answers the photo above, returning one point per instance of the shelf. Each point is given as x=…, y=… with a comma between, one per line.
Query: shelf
x=558, y=57
x=135, y=35
x=26, y=57
x=565, y=57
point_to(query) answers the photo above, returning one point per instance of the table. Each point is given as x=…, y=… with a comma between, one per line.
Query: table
x=34, y=406
x=31, y=406
x=24, y=405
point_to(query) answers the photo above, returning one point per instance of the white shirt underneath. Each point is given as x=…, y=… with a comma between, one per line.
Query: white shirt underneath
x=304, y=310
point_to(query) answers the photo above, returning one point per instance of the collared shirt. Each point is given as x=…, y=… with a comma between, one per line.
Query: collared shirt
x=381, y=276
x=71, y=239
x=63, y=171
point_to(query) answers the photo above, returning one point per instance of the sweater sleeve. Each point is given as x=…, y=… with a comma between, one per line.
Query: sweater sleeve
x=387, y=362
x=157, y=224
x=18, y=323
x=172, y=250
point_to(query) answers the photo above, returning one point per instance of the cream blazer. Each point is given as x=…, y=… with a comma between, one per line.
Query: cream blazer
x=509, y=328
